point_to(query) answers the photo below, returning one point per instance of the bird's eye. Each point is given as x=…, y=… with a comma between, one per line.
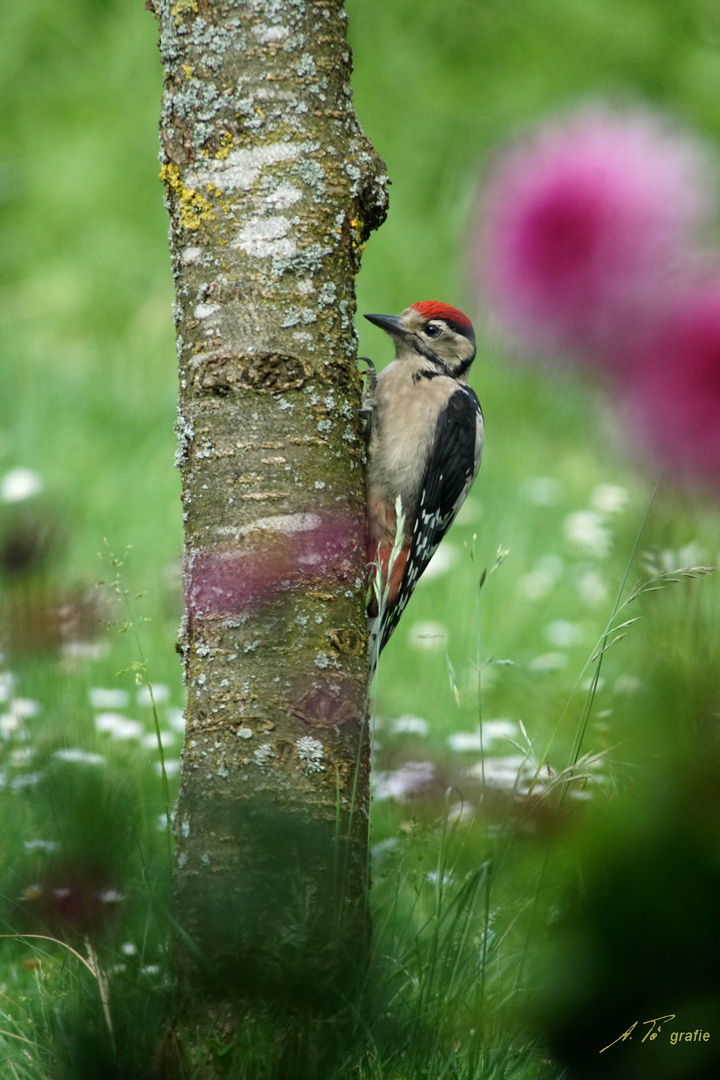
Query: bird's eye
x=432, y=330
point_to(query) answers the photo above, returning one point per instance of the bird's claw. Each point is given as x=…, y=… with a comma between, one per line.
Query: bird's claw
x=367, y=408
x=370, y=369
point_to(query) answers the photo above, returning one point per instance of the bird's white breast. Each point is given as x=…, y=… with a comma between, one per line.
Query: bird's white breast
x=399, y=453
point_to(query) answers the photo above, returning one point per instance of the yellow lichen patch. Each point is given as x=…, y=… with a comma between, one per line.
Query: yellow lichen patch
x=178, y=9
x=226, y=141
x=356, y=226
x=192, y=207
x=188, y=69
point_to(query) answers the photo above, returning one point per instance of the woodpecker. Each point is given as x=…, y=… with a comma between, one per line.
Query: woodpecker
x=425, y=444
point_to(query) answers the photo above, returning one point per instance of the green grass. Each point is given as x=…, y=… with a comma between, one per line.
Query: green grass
x=87, y=401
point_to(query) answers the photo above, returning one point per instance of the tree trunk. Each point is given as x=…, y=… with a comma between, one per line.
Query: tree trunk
x=272, y=190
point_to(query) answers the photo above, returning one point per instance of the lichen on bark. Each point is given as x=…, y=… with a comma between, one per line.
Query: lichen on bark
x=272, y=190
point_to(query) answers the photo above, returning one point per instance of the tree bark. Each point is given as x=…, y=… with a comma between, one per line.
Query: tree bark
x=272, y=190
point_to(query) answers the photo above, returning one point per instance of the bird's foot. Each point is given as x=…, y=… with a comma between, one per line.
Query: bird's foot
x=368, y=400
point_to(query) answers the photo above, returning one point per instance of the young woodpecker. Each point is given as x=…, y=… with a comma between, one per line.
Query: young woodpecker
x=425, y=444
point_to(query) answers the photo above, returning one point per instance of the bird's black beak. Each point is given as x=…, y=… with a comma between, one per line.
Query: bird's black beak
x=391, y=324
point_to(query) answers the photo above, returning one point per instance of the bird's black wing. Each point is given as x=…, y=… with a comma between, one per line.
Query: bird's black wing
x=451, y=469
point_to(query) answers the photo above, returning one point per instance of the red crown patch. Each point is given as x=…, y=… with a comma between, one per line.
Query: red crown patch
x=431, y=309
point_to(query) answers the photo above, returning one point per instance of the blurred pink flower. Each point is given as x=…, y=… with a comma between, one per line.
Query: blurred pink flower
x=585, y=227
x=288, y=551
x=672, y=401
x=81, y=898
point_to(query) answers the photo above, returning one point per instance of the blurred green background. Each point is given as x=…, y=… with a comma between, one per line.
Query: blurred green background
x=88, y=393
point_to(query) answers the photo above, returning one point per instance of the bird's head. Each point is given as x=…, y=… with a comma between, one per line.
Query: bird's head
x=440, y=334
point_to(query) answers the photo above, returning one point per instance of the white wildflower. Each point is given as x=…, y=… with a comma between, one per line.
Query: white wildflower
x=586, y=530
x=609, y=499
x=563, y=633
x=445, y=556
x=120, y=727
x=492, y=730
x=19, y=484
x=542, y=491
x=409, y=725
x=81, y=757
x=114, y=698
x=427, y=636
x=538, y=582
x=160, y=693
x=411, y=777
x=554, y=661
x=172, y=767
x=592, y=588
x=151, y=740
x=176, y=719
